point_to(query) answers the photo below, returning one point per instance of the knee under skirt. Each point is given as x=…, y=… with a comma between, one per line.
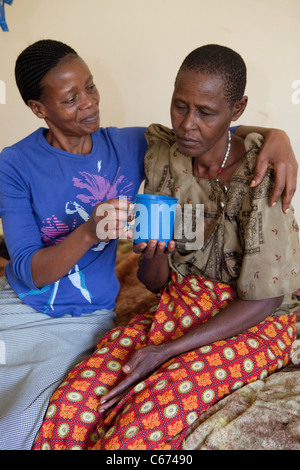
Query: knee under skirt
x=36, y=352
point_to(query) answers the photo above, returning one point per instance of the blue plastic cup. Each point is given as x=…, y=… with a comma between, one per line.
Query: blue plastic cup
x=154, y=218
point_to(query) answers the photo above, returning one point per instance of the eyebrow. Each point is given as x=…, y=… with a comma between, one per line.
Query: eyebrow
x=72, y=89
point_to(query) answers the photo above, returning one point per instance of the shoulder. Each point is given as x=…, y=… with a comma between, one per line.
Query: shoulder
x=122, y=135
x=157, y=133
x=14, y=155
x=160, y=140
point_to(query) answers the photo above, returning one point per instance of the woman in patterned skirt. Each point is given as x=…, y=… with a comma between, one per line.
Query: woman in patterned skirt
x=225, y=316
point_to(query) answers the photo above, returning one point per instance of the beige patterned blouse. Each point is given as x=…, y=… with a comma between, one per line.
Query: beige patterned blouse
x=246, y=242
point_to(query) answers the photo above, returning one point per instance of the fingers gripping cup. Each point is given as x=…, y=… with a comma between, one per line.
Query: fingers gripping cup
x=154, y=218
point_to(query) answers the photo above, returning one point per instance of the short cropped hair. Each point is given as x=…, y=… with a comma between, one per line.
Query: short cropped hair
x=223, y=62
x=35, y=62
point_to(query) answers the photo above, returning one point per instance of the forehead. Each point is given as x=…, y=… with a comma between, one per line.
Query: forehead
x=199, y=85
x=69, y=71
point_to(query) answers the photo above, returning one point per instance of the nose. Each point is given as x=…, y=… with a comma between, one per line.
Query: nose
x=85, y=101
x=189, y=121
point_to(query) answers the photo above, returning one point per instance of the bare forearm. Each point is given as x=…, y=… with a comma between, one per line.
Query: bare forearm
x=233, y=320
x=52, y=263
x=243, y=131
x=154, y=273
x=106, y=222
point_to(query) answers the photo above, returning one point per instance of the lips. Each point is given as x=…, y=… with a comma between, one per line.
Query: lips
x=187, y=142
x=91, y=118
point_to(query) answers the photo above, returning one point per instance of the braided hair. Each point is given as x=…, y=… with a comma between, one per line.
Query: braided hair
x=222, y=62
x=33, y=64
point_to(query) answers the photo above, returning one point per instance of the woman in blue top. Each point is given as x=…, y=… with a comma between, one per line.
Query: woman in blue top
x=59, y=290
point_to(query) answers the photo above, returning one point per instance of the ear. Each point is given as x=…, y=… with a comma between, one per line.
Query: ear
x=37, y=108
x=238, y=108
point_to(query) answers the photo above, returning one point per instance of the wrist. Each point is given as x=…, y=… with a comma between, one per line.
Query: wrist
x=88, y=235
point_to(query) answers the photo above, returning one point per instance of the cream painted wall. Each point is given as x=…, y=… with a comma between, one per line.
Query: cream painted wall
x=134, y=48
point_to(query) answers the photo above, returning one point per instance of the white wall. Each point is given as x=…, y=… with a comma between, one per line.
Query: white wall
x=134, y=48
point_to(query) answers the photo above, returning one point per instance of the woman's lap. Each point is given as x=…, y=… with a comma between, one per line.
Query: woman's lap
x=159, y=410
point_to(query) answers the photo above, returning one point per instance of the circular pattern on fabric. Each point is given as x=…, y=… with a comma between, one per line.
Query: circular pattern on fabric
x=155, y=436
x=279, y=363
x=171, y=411
x=145, y=321
x=169, y=326
x=215, y=312
x=115, y=334
x=290, y=331
x=191, y=417
x=126, y=342
x=271, y=354
x=102, y=350
x=263, y=374
x=139, y=387
x=229, y=353
x=186, y=321
x=173, y=366
x=63, y=430
x=146, y=407
x=170, y=306
x=281, y=345
x=194, y=284
x=253, y=343
x=196, y=311
x=100, y=390
x=278, y=325
x=88, y=374
x=161, y=384
x=185, y=386
x=74, y=396
x=209, y=284
x=205, y=349
x=95, y=436
x=196, y=366
x=248, y=365
x=220, y=374
x=51, y=411
x=76, y=447
x=63, y=384
x=110, y=432
x=87, y=417
x=45, y=446
x=131, y=432
x=238, y=384
x=225, y=296
x=113, y=365
x=208, y=395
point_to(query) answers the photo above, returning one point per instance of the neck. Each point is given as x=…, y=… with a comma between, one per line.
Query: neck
x=210, y=164
x=209, y=168
x=77, y=145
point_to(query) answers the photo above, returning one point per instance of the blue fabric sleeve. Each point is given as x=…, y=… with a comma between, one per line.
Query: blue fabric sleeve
x=20, y=230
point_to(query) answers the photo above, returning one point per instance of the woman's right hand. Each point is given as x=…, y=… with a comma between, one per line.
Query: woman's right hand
x=154, y=248
x=140, y=366
x=109, y=220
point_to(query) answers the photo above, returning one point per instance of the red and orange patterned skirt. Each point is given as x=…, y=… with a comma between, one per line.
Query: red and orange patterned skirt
x=158, y=411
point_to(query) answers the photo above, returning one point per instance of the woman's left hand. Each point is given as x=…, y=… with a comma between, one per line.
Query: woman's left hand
x=277, y=153
x=141, y=365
